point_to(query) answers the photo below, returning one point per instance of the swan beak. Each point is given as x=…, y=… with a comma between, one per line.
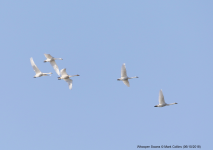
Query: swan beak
x=155, y=106
x=176, y=103
x=77, y=75
x=34, y=77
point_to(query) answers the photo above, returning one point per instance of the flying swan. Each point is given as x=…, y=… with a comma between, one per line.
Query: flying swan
x=124, y=76
x=52, y=62
x=162, y=101
x=66, y=77
x=37, y=71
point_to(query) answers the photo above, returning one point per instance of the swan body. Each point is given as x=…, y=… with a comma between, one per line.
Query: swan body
x=66, y=77
x=37, y=71
x=124, y=76
x=162, y=102
x=52, y=62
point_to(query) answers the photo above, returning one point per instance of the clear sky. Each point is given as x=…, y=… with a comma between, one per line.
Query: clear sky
x=167, y=44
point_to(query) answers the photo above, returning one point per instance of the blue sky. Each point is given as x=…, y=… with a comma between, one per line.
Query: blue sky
x=168, y=44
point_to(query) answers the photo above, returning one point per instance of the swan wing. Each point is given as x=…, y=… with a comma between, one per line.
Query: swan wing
x=161, y=98
x=48, y=56
x=54, y=65
x=126, y=82
x=63, y=72
x=123, y=71
x=35, y=68
x=69, y=81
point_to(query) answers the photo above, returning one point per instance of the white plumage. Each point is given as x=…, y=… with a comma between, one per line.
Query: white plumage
x=162, y=102
x=52, y=62
x=124, y=76
x=66, y=77
x=37, y=71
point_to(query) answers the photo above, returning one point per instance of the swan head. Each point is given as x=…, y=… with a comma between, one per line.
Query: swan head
x=118, y=79
x=34, y=77
x=59, y=78
x=77, y=75
x=176, y=103
x=136, y=77
x=45, y=61
x=156, y=106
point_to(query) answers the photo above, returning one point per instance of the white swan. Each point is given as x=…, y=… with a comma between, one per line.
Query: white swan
x=37, y=71
x=66, y=77
x=162, y=101
x=124, y=76
x=52, y=62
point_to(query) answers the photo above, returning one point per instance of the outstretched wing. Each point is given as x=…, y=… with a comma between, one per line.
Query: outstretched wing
x=35, y=68
x=126, y=82
x=48, y=56
x=54, y=65
x=161, y=98
x=69, y=81
x=123, y=71
x=63, y=72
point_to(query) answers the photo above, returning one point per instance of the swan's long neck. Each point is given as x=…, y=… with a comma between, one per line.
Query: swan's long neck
x=74, y=75
x=172, y=104
x=48, y=73
x=133, y=77
x=57, y=58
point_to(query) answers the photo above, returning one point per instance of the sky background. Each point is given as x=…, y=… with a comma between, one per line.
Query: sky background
x=167, y=44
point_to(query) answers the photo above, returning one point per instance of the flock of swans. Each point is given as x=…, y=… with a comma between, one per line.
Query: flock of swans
x=63, y=72
x=63, y=75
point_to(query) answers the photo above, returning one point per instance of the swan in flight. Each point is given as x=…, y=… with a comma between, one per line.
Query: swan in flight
x=37, y=71
x=162, y=101
x=52, y=62
x=124, y=76
x=66, y=77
